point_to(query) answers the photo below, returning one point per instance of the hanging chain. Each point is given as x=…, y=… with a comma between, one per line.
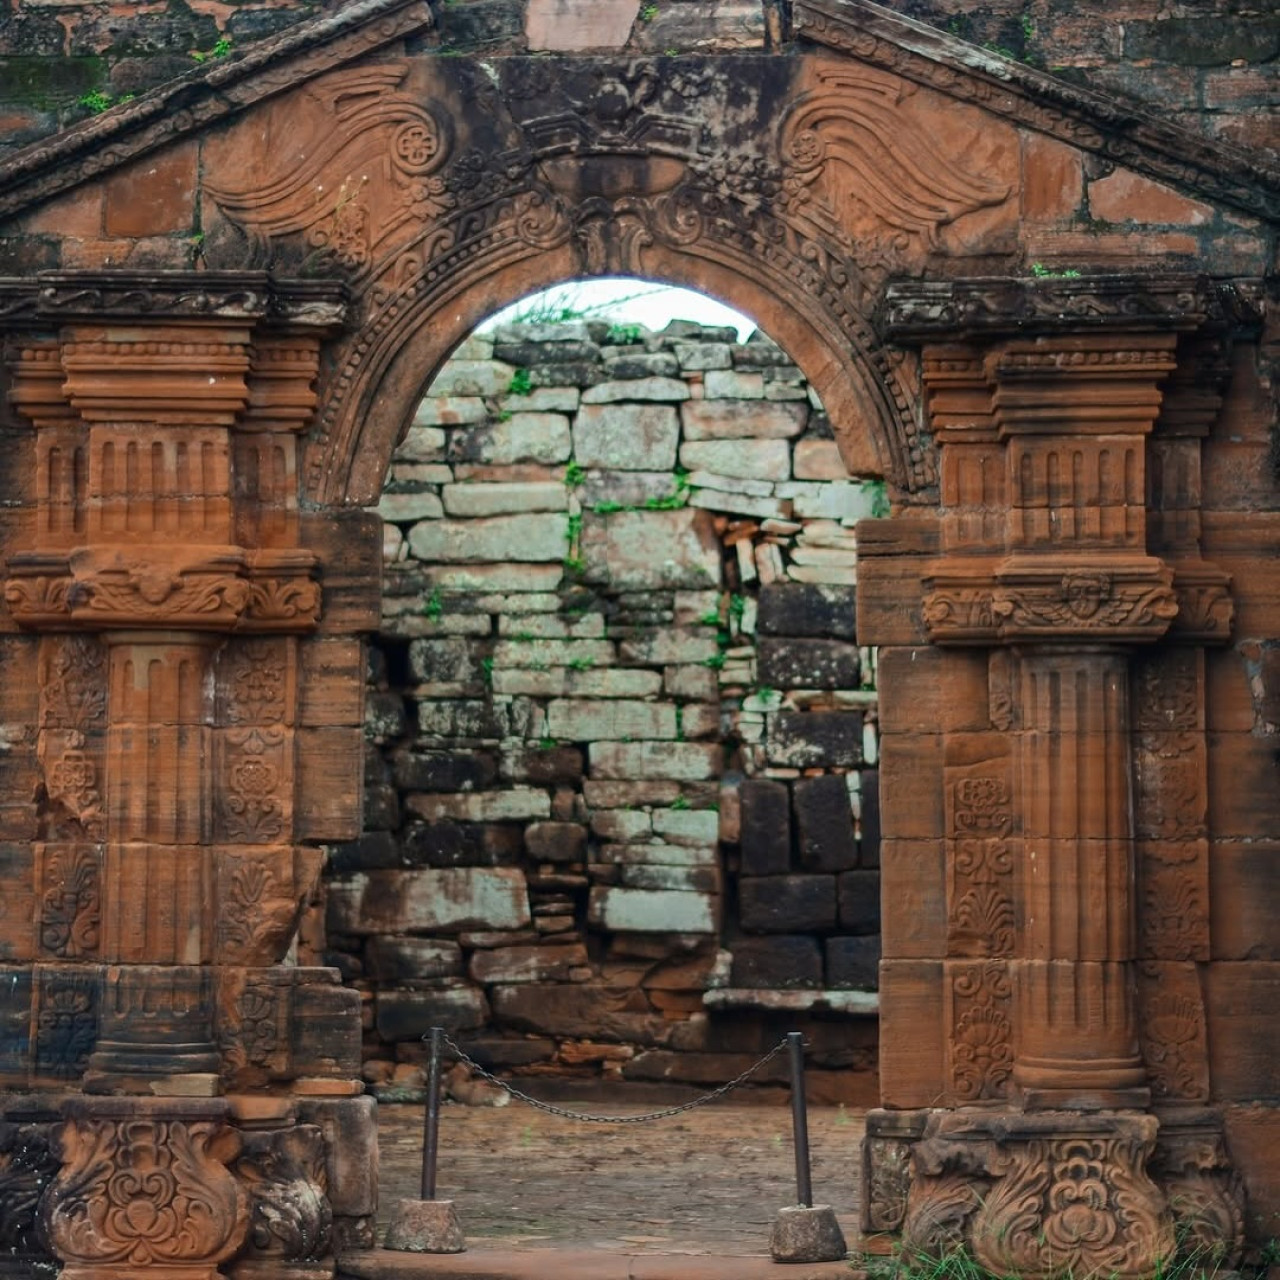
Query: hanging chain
x=586, y=1118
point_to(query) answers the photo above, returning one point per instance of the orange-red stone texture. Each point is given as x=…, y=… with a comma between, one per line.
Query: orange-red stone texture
x=1082, y=552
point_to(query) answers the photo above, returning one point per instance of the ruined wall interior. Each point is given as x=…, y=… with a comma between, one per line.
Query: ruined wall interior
x=222, y=301
x=616, y=681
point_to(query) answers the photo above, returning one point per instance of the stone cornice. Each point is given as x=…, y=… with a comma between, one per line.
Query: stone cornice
x=1117, y=128
x=996, y=306
x=56, y=297
x=210, y=92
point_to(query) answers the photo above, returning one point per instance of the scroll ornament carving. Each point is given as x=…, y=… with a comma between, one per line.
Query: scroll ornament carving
x=1173, y=1036
x=251, y=803
x=290, y=1217
x=255, y=683
x=981, y=1036
x=1206, y=1195
x=27, y=1166
x=849, y=148
x=369, y=170
x=66, y=1023
x=73, y=686
x=142, y=1192
x=1077, y=604
x=206, y=591
x=1047, y=1202
x=888, y=1165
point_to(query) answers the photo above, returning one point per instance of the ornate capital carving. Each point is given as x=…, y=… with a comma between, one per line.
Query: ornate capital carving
x=1051, y=1195
x=915, y=311
x=144, y=1184
x=1040, y=598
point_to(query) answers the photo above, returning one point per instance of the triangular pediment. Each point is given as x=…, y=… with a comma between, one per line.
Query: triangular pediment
x=1114, y=128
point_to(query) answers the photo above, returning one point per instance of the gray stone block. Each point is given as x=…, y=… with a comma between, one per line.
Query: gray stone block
x=787, y=904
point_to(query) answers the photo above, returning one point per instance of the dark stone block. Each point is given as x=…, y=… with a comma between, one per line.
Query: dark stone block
x=807, y=609
x=444, y=770
x=325, y=1030
x=544, y=766
x=529, y=353
x=824, y=824
x=776, y=963
x=825, y=739
x=1215, y=41
x=373, y=851
x=15, y=1021
x=854, y=962
x=766, y=827
x=788, y=904
x=860, y=901
x=498, y=1051
x=460, y=844
x=480, y=22
x=788, y=663
x=581, y=373
x=390, y=959
x=869, y=822
x=381, y=808
x=409, y=1015
x=556, y=841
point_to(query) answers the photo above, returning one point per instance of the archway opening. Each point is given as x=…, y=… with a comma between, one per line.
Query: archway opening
x=622, y=787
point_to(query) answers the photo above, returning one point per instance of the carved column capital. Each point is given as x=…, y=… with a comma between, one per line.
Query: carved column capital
x=144, y=1185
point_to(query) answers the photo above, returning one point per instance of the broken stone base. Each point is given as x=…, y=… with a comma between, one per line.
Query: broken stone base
x=425, y=1226
x=803, y=1233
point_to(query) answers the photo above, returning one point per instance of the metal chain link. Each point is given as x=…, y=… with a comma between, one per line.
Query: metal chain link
x=587, y=1118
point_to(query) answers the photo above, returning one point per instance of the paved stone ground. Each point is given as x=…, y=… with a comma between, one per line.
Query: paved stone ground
x=706, y=1182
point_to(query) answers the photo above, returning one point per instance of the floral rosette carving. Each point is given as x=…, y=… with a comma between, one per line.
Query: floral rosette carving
x=136, y=1191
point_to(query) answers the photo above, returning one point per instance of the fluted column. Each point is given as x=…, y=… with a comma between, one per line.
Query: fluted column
x=1073, y=982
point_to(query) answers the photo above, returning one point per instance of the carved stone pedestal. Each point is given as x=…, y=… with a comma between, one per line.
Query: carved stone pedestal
x=144, y=1187
x=1049, y=1194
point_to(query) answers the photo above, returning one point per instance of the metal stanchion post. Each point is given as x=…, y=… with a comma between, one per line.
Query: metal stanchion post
x=431, y=1129
x=804, y=1232
x=428, y=1225
x=800, y=1120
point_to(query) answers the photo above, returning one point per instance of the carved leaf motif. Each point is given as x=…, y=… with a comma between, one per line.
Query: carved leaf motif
x=888, y=1181
x=66, y=1026
x=73, y=689
x=27, y=1166
x=850, y=146
x=71, y=906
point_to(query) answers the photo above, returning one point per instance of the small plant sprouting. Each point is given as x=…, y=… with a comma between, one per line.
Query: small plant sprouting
x=1041, y=272
x=623, y=335
x=573, y=559
x=879, y=500
x=677, y=498
x=710, y=619
x=581, y=664
x=220, y=50
x=521, y=383
x=575, y=475
x=679, y=722
x=433, y=606
x=486, y=672
x=648, y=13
x=715, y=662
x=98, y=102
x=679, y=804
x=607, y=508
x=737, y=607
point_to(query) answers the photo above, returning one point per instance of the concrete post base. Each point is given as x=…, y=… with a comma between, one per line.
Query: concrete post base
x=425, y=1226
x=807, y=1234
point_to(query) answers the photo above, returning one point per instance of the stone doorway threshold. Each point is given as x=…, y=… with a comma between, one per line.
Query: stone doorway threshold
x=579, y=1264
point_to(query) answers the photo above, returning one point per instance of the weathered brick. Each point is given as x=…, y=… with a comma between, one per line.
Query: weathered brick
x=628, y=437
x=653, y=910
x=854, y=962
x=727, y=420
x=446, y=900
x=409, y=1015
x=803, y=739
x=801, y=609
x=497, y=538
x=610, y=719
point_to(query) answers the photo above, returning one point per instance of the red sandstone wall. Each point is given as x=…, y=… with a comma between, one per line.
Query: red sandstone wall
x=1211, y=65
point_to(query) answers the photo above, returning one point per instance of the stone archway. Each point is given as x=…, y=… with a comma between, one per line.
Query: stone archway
x=187, y=584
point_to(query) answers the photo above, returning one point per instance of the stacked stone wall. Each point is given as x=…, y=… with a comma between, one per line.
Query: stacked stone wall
x=621, y=780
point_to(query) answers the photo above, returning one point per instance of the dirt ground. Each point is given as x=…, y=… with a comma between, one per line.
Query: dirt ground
x=707, y=1181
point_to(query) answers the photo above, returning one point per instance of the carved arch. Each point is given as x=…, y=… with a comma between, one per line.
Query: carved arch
x=390, y=363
